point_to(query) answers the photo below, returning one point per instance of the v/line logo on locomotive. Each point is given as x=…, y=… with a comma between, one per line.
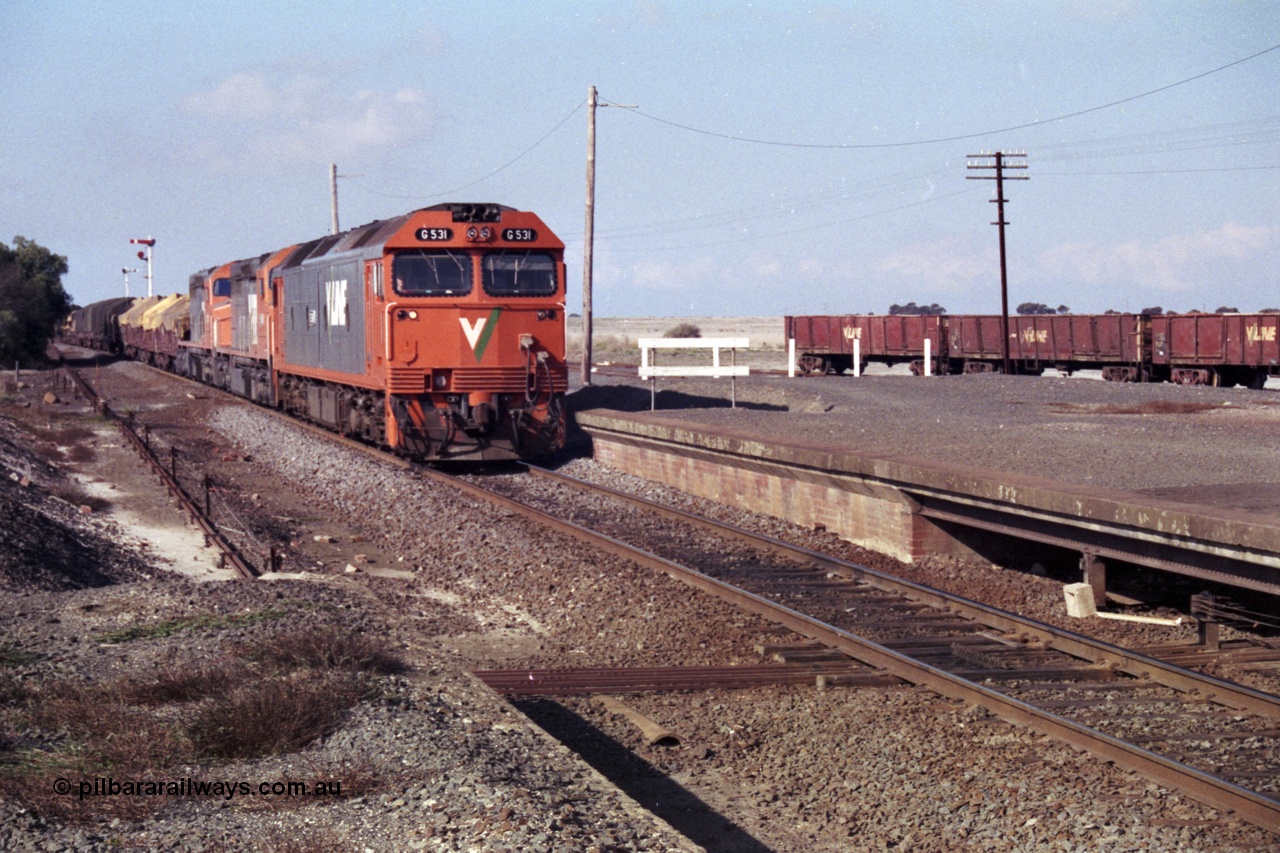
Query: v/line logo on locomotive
x=335, y=298
x=388, y=332
x=478, y=334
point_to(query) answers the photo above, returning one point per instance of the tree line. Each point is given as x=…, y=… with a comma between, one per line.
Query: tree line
x=32, y=301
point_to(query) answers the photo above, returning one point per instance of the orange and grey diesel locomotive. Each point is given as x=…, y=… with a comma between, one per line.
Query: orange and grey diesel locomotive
x=439, y=334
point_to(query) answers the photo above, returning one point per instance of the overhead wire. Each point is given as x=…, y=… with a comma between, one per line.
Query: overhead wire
x=1250, y=132
x=1157, y=171
x=1240, y=133
x=958, y=137
x=787, y=205
x=756, y=238
x=501, y=168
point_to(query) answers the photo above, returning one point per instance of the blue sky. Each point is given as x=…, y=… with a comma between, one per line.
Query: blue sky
x=784, y=156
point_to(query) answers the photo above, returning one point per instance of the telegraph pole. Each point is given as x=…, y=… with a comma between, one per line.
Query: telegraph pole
x=588, y=235
x=999, y=177
x=333, y=195
x=333, y=192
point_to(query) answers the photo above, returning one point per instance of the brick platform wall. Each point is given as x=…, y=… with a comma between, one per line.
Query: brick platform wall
x=874, y=516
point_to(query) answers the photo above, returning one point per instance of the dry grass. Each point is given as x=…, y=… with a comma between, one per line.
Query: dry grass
x=274, y=697
x=94, y=733
x=360, y=776
x=184, y=682
x=82, y=453
x=325, y=648
x=273, y=716
x=683, y=330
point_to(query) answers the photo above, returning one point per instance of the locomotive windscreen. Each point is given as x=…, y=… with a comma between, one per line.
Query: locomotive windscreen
x=440, y=273
x=519, y=274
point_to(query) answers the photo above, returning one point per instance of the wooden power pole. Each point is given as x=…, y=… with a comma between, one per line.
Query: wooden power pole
x=333, y=195
x=999, y=177
x=588, y=235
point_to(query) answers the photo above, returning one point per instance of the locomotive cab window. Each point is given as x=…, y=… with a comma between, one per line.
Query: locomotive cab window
x=438, y=273
x=222, y=287
x=519, y=274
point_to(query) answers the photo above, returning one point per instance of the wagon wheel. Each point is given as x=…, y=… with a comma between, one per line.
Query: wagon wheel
x=809, y=364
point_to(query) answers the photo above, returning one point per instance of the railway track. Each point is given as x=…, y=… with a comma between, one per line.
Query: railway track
x=213, y=535
x=1214, y=740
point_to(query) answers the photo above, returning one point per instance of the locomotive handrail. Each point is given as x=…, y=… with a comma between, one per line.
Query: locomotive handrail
x=386, y=330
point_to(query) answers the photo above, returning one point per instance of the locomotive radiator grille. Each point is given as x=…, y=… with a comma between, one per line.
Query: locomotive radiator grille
x=406, y=380
x=502, y=380
x=499, y=380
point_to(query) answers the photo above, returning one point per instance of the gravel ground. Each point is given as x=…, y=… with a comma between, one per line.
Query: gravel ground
x=449, y=584
x=433, y=761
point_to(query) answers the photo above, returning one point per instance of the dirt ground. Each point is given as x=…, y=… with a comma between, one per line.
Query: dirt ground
x=615, y=339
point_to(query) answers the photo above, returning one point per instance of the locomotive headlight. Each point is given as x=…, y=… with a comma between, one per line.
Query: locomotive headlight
x=441, y=379
x=413, y=315
x=472, y=233
x=406, y=315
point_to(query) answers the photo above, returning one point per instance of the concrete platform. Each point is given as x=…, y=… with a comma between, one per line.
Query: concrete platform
x=908, y=505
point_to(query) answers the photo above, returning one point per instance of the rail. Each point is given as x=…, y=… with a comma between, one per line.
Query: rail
x=649, y=369
x=1253, y=806
x=212, y=535
x=1097, y=660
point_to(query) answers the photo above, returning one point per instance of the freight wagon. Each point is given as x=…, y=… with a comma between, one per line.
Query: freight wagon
x=1216, y=349
x=1210, y=349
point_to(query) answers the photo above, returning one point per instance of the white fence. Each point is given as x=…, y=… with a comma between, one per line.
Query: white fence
x=649, y=369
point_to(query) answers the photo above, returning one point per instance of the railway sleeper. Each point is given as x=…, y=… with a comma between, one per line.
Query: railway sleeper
x=1059, y=673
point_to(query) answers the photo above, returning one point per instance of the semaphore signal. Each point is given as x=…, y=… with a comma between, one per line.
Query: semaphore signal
x=145, y=255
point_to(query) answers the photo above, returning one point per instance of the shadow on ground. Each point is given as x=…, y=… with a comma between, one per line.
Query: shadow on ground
x=634, y=398
x=641, y=781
